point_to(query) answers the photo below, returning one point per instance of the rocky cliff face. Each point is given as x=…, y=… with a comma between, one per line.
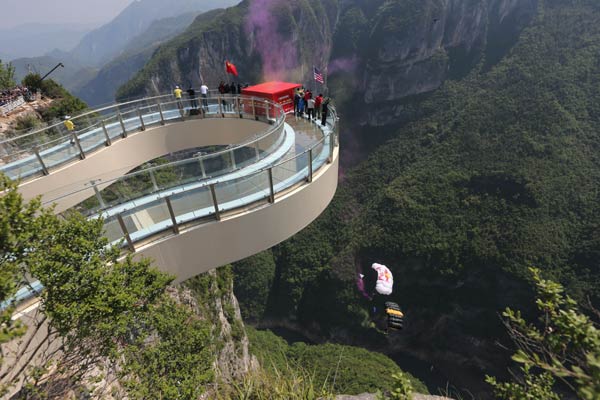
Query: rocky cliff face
x=211, y=296
x=408, y=48
x=376, y=53
x=266, y=39
x=106, y=42
x=377, y=56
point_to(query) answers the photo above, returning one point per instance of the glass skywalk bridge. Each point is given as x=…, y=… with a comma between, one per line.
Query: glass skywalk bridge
x=145, y=210
x=37, y=153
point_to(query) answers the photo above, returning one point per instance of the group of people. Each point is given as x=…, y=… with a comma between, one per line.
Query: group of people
x=192, y=95
x=6, y=96
x=233, y=88
x=13, y=98
x=315, y=108
x=224, y=89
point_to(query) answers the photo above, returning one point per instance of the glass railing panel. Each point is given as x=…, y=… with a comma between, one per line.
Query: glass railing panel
x=92, y=137
x=139, y=222
x=150, y=115
x=112, y=229
x=246, y=105
x=113, y=127
x=177, y=174
x=229, y=104
x=59, y=151
x=217, y=164
x=290, y=172
x=128, y=189
x=266, y=143
x=261, y=110
x=89, y=206
x=242, y=191
x=192, y=204
x=144, y=221
x=189, y=104
x=244, y=156
x=319, y=154
x=21, y=164
x=131, y=120
x=212, y=105
x=170, y=109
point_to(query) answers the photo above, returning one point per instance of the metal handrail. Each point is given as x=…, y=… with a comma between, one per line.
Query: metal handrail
x=100, y=123
x=212, y=185
x=270, y=167
x=35, y=287
x=97, y=109
x=201, y=185
x=155, y=168
x=116, y=105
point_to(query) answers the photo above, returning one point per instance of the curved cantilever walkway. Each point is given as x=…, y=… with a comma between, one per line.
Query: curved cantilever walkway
x=198, y=225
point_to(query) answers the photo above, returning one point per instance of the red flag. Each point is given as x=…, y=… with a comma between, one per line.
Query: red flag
x=231, y=69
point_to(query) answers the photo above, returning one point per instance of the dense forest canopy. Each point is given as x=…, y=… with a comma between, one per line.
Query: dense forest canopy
x=497, y=171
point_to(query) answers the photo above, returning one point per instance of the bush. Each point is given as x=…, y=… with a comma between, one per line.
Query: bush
x=290, y=383
x=344, y=369
x=26, y=122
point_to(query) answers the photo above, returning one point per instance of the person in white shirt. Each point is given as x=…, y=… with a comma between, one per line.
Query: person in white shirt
x=310, y=105
x=204, y=94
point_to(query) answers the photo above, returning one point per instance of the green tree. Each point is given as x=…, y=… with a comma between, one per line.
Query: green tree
x=343, y=369
x=253, y=280
x=562, y=344
x=21, y=224
x=98, y=307
x=32, y=81
x=180, y=346
x=7, y=76
x=91, y=296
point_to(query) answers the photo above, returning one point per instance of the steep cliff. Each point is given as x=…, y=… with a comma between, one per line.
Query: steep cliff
x=211, y=296
x=254, y=35
x=407, y=48
x=376, y=53
x=480, y=121
x=493, y=172
x=102, y=44
x=380, y=58
x=102, y=88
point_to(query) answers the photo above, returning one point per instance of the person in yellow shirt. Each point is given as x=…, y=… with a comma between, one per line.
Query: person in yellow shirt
x=70, y=127
x=69, y=124
x=177, y=92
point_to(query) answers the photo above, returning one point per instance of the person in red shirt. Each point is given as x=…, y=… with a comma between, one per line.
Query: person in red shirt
x=318, y=102
x=307, y=96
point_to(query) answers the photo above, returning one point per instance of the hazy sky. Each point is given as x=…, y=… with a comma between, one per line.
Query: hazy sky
x=17, y=12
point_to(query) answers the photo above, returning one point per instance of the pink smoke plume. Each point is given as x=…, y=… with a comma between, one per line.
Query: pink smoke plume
x=343, y=64
x=360, y=284
x=279, y=54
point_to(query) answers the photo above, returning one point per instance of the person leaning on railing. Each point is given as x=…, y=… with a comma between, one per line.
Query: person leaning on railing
x=70, y=127
x=177, y=93
x=324, y=111
x=204, y=94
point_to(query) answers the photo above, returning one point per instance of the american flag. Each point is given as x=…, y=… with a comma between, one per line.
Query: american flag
x=318, y=75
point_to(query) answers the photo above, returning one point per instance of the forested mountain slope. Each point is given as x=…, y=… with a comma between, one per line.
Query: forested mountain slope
x=478, y=123
x=103, y=44
x=496, y=172
x=138, y=51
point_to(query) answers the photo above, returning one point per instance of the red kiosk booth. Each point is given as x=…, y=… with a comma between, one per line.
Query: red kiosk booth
x=279, y=92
